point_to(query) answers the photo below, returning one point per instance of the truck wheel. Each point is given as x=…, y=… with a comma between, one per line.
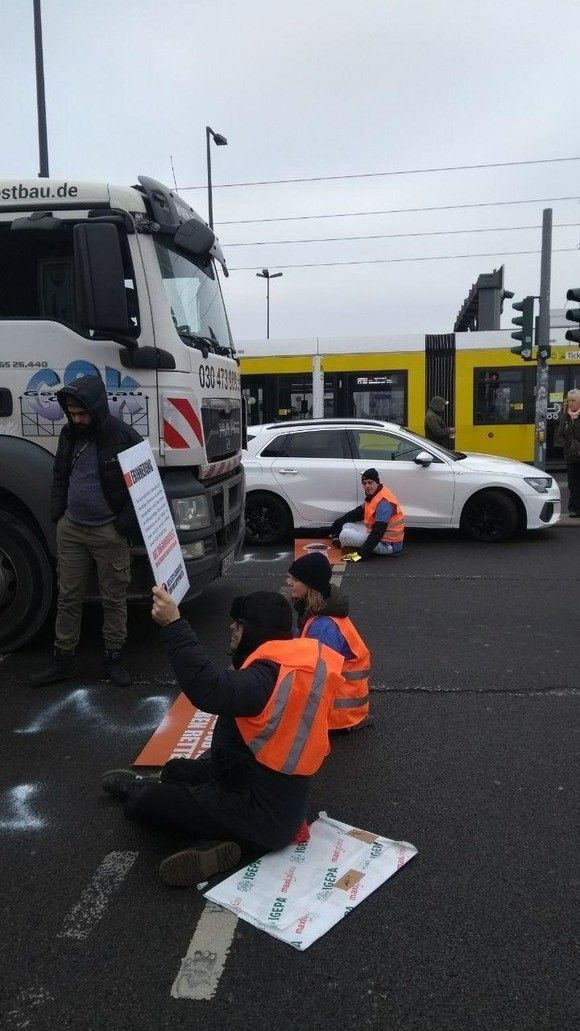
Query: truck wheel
x=26, y=583
x=490, y=516
x=268, y=520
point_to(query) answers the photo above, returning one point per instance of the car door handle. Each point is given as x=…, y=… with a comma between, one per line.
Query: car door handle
x=288, y=472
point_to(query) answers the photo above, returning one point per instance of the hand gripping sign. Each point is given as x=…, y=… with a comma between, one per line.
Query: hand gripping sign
x=155, y=521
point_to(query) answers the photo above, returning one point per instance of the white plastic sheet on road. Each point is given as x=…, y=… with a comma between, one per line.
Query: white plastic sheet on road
x=300, y=892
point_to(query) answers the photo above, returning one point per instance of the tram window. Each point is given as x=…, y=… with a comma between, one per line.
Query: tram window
x=384, y=447
x=503, y=396
x=318, y=444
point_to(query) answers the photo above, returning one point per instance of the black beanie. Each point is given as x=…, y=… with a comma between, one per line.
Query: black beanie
x=266, y=610
x=371, y=474
x=314, y=570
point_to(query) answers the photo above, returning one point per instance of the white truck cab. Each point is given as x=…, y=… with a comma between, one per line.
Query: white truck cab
x=121, y=283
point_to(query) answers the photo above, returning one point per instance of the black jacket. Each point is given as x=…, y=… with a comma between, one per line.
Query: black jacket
x=247, y=798
x=435, y=428
x=111, y=436
x=568, y=436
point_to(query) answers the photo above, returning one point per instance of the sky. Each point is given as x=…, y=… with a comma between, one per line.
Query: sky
x=307, y=89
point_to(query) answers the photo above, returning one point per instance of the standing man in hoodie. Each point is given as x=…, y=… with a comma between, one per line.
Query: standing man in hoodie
x=91, y=507
x=435, y=428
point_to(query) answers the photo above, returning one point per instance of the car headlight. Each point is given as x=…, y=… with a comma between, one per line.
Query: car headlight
x=540, y=483
x=191, y=513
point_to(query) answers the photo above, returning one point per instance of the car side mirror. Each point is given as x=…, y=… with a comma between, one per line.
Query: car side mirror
x=424, y=459
x=100, y=282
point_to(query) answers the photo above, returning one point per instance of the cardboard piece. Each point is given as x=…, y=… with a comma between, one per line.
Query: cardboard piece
x=146, y=491
x=184, y=733
x=305, y=546
x=298, y=893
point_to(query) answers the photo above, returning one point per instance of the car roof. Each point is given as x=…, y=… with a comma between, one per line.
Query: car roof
x=307, y=424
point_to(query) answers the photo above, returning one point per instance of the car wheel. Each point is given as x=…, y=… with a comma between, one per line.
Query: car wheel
x=26, y=583
x=490, y=516
x=268, y=520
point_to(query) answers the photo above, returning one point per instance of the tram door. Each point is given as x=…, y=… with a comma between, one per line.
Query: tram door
x=561, y=379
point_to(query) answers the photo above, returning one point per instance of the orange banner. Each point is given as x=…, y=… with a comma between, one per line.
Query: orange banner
x=324, y=545
x=185, y=733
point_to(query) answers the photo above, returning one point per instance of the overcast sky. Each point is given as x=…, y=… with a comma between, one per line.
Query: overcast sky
x=306, y=88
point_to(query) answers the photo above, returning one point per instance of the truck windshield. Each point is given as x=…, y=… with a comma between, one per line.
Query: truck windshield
x=194, y=295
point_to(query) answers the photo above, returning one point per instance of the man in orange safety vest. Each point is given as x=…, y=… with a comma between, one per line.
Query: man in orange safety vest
x=377, y=527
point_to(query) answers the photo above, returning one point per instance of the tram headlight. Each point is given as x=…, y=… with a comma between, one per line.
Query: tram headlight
x=540, y=483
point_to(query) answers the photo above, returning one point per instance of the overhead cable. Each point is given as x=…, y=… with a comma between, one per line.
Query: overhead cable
x=399, y=236
x=388, y=261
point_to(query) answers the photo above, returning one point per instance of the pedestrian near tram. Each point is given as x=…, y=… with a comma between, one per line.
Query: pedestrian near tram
x=377, y=527
x=435, y=428
x=250, y=792
x=322, y=610
x=568, y=437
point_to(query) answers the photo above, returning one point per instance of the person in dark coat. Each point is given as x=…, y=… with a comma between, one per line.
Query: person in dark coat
x=568, y=437
x=93, y=512
x=227, y=801
x=435, y=428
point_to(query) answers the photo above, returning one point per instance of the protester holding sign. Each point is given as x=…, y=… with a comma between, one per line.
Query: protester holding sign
x=251, y=790
x=93, y=513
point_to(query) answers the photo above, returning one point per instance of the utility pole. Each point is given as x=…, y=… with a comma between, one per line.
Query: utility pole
x=543, y=342
x=40, y=98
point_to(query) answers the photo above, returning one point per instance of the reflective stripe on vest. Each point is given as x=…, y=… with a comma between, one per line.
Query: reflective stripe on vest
x=353, y=685
x=290, y=735
x=395, y=528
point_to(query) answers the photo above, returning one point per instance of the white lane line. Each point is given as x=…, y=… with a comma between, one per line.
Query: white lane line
x=203, y=965
x=93, y=901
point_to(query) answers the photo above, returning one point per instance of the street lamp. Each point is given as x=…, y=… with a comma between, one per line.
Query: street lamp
x=267, y=275
x=220, y=141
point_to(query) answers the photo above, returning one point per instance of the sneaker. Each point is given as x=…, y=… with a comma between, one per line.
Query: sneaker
x=62, y=667
x=114, y=669
x=122, y=783
x=184, y=869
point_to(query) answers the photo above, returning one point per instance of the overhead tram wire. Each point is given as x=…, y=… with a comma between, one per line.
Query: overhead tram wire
x=396, y=211
x=400, y=236
x=376, y=175
x=389, y=261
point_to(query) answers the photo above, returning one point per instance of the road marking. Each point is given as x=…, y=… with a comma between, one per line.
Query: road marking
x=93, y=901
x=83, y=704
x=16, y=801
x=204, y=962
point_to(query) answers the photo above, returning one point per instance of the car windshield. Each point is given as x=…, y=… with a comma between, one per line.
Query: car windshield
x=455, y=456
x=194, y=294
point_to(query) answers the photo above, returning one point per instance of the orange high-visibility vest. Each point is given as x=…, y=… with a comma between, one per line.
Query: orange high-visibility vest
x=351, y=702
x=290, y=735
x=395, y=528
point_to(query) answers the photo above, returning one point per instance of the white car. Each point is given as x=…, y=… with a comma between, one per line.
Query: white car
x=306, y=474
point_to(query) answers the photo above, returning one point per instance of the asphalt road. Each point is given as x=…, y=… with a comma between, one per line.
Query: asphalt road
x=471, y=758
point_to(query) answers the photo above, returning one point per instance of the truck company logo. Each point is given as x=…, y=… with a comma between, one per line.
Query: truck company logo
x=21, y=192
x=277, y=909
x=42, y=416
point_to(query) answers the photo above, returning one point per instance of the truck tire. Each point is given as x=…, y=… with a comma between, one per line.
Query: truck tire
x=26, y=583
x=491, y=516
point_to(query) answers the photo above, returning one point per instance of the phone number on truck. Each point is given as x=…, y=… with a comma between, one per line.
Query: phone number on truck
x=223, y=379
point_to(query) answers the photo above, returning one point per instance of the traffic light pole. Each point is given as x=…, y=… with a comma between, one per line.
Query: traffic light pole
x=542, y=342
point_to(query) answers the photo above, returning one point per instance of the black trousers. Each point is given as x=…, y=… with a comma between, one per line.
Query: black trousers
x=573, y=470
x=170, y=805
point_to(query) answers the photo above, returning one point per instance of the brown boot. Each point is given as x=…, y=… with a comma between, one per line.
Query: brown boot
x=193, y=865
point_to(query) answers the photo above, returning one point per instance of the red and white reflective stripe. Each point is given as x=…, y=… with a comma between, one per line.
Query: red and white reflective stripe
x=181, y=425
x=208, y=472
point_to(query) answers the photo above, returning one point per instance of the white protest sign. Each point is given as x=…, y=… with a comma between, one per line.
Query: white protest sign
x=145, y=488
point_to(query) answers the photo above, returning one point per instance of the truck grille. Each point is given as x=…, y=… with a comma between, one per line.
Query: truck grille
x=222, y=427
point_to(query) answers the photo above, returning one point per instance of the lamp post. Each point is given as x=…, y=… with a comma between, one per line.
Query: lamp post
x=40, y=97
x=220, y=141
x=267, y=275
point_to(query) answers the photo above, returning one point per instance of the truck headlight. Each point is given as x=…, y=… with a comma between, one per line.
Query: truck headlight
x=191, y=513
x=540, y=483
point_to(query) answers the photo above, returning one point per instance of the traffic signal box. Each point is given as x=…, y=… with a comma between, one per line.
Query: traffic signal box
x=526, y=334
x=573, y=315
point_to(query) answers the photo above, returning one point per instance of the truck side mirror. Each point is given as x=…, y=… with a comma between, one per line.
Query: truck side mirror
x=194, y=238
x=100, y=281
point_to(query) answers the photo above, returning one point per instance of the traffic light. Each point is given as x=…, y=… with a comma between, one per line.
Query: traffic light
x=573, y=315
x=526, y=333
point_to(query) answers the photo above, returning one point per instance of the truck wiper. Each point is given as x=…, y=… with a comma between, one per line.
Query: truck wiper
x=204, y=344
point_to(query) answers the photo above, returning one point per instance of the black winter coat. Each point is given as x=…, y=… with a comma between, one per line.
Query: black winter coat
x=568, y=436
x=252, y=801
x=111, y=437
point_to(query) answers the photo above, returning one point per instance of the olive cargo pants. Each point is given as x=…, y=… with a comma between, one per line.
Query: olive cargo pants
x=77, y=548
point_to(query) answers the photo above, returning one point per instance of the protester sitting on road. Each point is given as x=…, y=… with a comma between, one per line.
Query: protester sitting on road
x=568, y=437
x=250, y=792
x=435, y=428
x=322, y=610
x=377, y=527
x=93, y=512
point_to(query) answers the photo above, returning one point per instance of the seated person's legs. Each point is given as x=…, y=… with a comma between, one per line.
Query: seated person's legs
x=188, y=771
x=383, y=548
x=353, y=535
